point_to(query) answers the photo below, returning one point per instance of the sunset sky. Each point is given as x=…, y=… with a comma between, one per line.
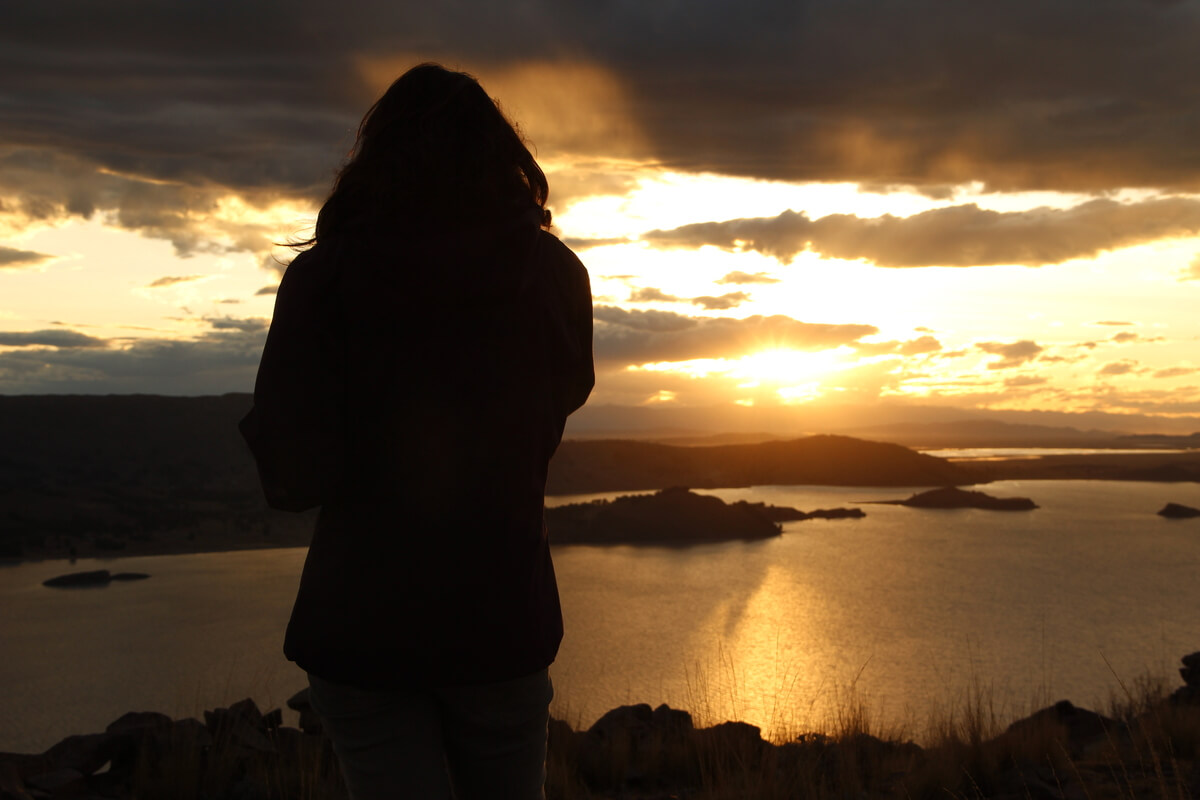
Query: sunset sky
x=783, y=205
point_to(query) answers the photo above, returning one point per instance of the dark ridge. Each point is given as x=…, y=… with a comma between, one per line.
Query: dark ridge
x=607, y=466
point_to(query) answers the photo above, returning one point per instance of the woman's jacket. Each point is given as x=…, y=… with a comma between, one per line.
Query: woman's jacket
x=415, y=388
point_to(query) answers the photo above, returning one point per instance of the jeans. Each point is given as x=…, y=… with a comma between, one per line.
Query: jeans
x=463, y=742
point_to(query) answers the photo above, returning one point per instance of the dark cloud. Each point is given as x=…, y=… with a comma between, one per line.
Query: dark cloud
x=742, y=278
x=217, y=362
x=249, y=325
x=956, y=236
x=1013, y=354
x=639, y=337
x=267, y=290
x=49, y=338
x=655, y=321
x=725, y=301
x=11, y=258
x=171, y=280
x=579, y=181
x=648, y=294
x=1076, y=94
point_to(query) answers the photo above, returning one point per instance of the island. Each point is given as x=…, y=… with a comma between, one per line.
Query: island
x=96, y=577
x=675, y=515
x=953, y=497
x=1177, y=511
x=671, y=515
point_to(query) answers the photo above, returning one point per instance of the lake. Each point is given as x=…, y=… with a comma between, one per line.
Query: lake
x=903, y=611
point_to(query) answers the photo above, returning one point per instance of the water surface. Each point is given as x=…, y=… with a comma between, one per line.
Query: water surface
x=908, y=606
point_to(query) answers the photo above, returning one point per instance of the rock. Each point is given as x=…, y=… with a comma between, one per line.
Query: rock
x=1176, y=511
x=300, y=700
x=1029, y=781
x=61, y=781
x=953, y=497
x=191, y=733
x=84, y=753
x=623, y=720
x=1190, y=671
x=139, y=723
x=273, y=719
x=310, y=722
x=1078, y=726
x=670, y=720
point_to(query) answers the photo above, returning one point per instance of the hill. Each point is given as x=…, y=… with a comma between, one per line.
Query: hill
x=604, y=466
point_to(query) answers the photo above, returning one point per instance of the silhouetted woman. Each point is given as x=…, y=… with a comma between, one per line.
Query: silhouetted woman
x=423, y=357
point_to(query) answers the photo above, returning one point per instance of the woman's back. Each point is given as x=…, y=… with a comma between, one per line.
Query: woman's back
x=457, y=383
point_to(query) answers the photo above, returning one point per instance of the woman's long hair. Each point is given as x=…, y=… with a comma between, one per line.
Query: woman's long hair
x=434, y=153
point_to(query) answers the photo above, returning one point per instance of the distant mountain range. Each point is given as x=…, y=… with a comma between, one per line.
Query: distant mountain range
x=903, y=420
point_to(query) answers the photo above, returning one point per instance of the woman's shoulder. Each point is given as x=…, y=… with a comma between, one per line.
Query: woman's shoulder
x=553, y=250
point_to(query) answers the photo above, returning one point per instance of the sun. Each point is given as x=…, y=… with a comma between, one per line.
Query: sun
x=786, y=367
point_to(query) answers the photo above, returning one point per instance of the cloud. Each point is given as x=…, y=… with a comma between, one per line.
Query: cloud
x=267, y=290
x=171, y=280
x=1025, y=380
x=1129, y=337
x=747, y=277
x=579, y=244
x=912, y=347
x=639, y=337
x=725, y=301
x=1192, y=273
x=50, y=338
x=580, y=181
x=11, y=258
x=104, y=102
x=1013, y=354
x=1113, y=322
x=649, y=294
x=249, y=325
x=1175, y=372
x=212, y=364
x=955, y=236
x=1118, y=368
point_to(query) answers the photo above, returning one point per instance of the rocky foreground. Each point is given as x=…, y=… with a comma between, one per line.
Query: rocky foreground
x=1150, y=747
